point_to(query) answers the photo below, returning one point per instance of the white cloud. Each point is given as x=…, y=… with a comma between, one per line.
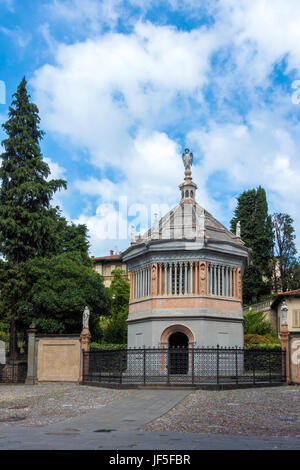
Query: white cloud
x=259, y=34
x=152, y=168
x=56, y=171
x=103, y=88
x=271, y=27
x=93, y=14
x=18, y=35
x=109, y=95
x=264, y=152
x=103, y=230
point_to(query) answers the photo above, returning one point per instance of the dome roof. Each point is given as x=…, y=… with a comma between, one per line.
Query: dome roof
x=188, y=221
x=188, y=226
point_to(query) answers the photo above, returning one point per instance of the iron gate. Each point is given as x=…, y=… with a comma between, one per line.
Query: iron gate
x=14, y=370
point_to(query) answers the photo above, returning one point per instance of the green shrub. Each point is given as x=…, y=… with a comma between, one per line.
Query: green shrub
x=255, y=339
x=4, y=336
x=256, y=324
x=264, y=346
x=107, y=346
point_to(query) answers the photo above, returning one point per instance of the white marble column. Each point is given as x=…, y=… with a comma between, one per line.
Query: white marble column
x=226, y=280
x=215, y=280
x=140, y=283
x=223, y=281
x=160, y=279
x=166, y=278
x=146, y=282
x=180, y=278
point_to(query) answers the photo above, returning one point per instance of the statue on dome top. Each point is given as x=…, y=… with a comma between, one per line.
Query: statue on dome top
x=187, y=158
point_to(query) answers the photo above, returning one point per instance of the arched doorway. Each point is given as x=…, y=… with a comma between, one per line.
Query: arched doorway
x=178, y=353
x=178, y=340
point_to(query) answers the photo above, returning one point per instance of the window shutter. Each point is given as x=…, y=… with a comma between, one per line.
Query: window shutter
x=296, y=318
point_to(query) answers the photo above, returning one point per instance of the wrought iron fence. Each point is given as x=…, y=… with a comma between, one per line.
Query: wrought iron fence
x=192, y=366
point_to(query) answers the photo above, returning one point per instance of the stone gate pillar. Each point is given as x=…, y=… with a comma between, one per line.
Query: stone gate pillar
x=285, y=338
x=85, y=347
x=285, y=343
x=31, y=356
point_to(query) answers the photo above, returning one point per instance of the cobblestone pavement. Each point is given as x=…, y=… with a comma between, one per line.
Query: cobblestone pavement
x=72, y=417
x=244, y=412
x=43, y=404
x=273, y=411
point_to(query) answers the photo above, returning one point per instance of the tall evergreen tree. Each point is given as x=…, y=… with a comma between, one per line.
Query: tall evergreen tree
x=285, y=265
x=27, y=221
x=116, y=331
x=257, y=233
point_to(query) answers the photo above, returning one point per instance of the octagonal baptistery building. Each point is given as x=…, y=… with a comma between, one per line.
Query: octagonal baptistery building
x=186, y=278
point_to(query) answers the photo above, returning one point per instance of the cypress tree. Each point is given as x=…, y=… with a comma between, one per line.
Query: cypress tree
x=27, y=221
x=257, y=233
x=285, y=262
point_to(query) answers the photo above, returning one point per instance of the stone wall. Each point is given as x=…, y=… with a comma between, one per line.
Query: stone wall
x=55, y=358
x=58, y=359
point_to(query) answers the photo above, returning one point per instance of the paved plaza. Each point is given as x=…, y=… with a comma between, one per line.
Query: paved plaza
x=74, y=417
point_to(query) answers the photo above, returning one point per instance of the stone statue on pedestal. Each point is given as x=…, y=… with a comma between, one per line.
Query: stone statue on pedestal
x=85, y=317
x=284, y=310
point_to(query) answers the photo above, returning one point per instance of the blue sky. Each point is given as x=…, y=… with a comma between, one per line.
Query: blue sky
x=124, y=86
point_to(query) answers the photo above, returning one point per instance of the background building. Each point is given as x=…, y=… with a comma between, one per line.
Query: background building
x=292, y=299
x=272, y=310
x=104, y=265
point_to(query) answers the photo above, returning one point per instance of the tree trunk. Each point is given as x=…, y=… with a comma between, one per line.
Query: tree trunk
x=13, y=345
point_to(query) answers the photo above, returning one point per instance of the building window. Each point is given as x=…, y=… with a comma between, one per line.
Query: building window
x=296, y=318
x=221, y=280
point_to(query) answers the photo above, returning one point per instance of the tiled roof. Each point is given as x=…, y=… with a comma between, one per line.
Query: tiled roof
x=290, y=292
x=107, y=258
x=279, y=296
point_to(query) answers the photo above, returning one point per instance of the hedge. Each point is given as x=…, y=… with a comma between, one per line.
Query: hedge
x=107, y=346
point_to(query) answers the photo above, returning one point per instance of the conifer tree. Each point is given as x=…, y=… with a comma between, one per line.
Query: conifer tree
x=27, y=220
x=257, y=233
x=285, y=265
